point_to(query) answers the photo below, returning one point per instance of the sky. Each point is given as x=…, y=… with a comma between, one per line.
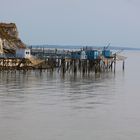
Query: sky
x=75, y=22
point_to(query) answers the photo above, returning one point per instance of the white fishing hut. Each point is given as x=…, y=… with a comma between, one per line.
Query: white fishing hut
x=23, y=53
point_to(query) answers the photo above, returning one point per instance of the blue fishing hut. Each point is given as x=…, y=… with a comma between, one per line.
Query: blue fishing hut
x=92, y=54
x=106, y=53
x=76, y=54
x=85, y=54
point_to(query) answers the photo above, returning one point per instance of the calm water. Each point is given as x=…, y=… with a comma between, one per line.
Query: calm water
x=47, y=106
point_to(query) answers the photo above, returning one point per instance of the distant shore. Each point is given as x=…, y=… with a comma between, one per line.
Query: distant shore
x=80, y=47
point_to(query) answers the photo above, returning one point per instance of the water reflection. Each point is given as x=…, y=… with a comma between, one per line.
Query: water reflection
x=80, y=90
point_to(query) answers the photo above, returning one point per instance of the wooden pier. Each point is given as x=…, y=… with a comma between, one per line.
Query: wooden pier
x=82, y=61
x=70, y=62
x=86, y=66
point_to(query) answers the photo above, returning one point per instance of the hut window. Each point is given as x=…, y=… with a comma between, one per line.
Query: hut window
x=27, y=52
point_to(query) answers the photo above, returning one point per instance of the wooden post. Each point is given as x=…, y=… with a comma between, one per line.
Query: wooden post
x=75, y=66
x=114, y=63
x=111, y=65
x=123, y=64
x=63, y=65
